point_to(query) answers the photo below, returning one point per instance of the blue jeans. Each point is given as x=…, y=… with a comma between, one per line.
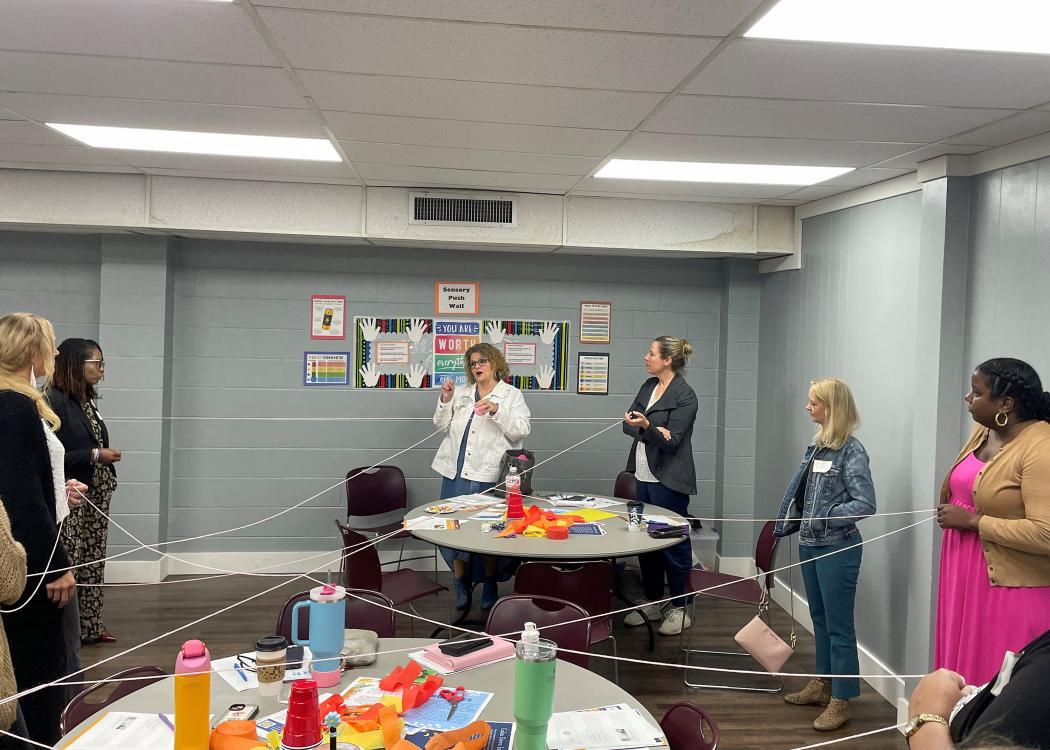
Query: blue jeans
x=672, y=563
x=831, y=588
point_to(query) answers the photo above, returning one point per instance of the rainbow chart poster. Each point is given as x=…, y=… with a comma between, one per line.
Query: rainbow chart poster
x=326, y=368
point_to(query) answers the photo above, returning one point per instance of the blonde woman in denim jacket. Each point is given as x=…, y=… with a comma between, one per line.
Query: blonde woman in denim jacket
x=830, y=492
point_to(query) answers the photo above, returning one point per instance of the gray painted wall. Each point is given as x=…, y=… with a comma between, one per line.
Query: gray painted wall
x=849, y=313
x=216, y=330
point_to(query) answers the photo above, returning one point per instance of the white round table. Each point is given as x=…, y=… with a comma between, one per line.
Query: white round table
x=575, y=688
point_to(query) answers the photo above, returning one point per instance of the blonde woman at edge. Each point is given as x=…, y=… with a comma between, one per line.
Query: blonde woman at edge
x=830, y=492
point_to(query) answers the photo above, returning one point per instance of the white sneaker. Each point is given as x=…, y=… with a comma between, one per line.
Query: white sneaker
x=652, y=613
x=675, y=621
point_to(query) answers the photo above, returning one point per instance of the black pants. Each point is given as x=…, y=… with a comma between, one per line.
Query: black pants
x=672, y=563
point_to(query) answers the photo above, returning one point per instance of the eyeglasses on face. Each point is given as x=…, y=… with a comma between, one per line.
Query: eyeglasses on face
x=100, y=362
x=478, y=362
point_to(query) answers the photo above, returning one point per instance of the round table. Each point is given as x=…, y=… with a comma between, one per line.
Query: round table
x=616, y=542
x=575, y=688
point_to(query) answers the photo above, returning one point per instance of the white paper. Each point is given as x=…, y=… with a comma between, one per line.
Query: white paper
x=665, y=519
x=475, y=500
x=225, y=668
x=127, y=730
x=427, y=523
x=821, y=467
x=616, y=727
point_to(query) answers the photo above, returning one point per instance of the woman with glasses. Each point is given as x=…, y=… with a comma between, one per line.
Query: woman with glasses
x=485, y=418
x=78, y=369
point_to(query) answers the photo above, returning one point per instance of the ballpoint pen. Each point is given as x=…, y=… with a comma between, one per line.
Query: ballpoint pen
x=237, y=667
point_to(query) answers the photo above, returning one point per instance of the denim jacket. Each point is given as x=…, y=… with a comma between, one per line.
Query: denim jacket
x=826, y=509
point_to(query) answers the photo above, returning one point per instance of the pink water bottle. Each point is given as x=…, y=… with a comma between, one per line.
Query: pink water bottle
x=192, y=696
x=515, y=507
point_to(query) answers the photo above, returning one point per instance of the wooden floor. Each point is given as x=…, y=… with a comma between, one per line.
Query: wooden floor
x=747, y=720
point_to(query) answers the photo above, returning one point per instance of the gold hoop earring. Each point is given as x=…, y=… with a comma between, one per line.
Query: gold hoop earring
x=1006, y=419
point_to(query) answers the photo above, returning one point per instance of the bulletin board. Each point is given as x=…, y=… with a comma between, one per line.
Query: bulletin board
x=537, y=352
x=393, y=353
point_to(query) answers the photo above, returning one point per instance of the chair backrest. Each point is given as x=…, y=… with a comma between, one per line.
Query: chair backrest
x=364, y=609
x=512, y=612
x=689, y=727
x=766, y=552
x=375, y=490
x=625, y=486
x=102, y=694
x=361, y=569
x=588, y=584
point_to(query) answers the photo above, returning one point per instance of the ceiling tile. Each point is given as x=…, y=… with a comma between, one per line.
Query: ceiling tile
x=464, y=134
x=815, y=192
x=159, y=29
x=661, y=17
x=137, y=79
x=478, y=52
x=780, y=118
x=67, y=154
x=910, y=161
x=675, y=190
x=147, y=160
x=397, y=174
x=858, y=73
x=667, y=147
x=861, y=177
x=485, y=102
x=22, y=131
x=135, y=113
x=1014, y=128
x=476, y=159
x=234, y=175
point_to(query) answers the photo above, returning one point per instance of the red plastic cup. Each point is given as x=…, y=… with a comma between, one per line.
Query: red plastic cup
x=302, y=730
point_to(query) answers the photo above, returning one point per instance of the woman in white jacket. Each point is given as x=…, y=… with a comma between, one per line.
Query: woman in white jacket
x=485, y=418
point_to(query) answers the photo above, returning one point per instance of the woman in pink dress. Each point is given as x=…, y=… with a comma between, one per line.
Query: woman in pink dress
x=994, y=593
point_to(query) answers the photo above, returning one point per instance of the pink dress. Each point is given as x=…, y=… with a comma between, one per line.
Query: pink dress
x=977, y=622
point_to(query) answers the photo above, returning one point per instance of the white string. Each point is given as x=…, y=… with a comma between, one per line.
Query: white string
x=43, y=573
x=342, y=419
x=26, y=739
x=851, y=737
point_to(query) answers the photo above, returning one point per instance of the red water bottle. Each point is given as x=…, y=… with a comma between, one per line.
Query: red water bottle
x=515, y=509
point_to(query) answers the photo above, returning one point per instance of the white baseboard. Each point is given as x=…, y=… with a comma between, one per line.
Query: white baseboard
x=202, y=563
x=890, y=686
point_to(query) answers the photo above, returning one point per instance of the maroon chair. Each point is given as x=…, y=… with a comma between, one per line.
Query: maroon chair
x=368, y=610
x=361, y=570
x=625, y=486
x=376, y=500
x=753, y=590
x=512, y=612
x=689, y=727
x=588, y=584
x=89, y=702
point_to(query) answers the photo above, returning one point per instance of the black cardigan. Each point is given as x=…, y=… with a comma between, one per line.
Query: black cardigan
x=27, y=486
x=77, y=437
x=670, y=461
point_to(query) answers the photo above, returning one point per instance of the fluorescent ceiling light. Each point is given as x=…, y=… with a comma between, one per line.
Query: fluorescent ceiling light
x=189, y=142
x=695, y=171
x=1003, y=26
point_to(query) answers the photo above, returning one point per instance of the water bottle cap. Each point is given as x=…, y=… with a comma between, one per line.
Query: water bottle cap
x=194, y=649
x=327, y=593
x=531, y=634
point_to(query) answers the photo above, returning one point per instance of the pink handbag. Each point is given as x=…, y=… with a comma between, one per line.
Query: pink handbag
x=761, y=641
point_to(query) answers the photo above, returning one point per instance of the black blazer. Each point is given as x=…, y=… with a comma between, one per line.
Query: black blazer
x=671, y=461
x=77, y=437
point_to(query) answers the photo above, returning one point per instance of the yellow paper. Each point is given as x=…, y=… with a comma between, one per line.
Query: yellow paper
x=534, y=531
x=592, y=514
x=365, y=740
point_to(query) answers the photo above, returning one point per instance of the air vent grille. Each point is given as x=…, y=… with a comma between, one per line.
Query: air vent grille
x=454, y=210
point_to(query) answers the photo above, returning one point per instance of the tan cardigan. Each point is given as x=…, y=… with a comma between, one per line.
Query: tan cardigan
x=12, y=582
x=1012, y=492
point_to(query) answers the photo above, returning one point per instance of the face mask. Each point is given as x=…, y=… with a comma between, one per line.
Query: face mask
x=32, y=376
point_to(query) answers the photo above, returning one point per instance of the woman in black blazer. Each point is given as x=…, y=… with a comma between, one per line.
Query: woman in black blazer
x=78, y=369
x=661, y=422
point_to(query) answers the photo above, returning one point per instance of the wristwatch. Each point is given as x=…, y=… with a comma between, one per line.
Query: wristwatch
x=916, y=723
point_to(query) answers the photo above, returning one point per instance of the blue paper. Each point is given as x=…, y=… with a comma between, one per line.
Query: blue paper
x=434, y=713
x=585, y=529
x=501, y=738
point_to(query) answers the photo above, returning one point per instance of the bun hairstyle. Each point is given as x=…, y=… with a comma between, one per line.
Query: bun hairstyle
x=1019, y=380
x=675, y=349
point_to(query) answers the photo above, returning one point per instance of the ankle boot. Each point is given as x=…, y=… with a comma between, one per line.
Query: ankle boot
x=817, y=692
x=459, y=586
x=835, y=715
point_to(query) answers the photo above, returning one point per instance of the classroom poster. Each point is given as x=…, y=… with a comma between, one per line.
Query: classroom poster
x=327, y=315
x=452, y=338
x=393, y=353
x=592, y=373
x=537, y=352
x=456, y=298
x=595, y=322
x=326, y=368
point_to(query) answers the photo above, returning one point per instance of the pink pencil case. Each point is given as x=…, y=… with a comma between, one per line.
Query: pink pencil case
x=501, y=648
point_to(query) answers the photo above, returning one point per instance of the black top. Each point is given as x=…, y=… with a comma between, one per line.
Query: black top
x=77, y=437
x=1019, y=712
x=670, y=461
x=27, y=486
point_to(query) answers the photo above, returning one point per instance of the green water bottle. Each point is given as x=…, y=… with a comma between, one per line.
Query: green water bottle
x=533, y=689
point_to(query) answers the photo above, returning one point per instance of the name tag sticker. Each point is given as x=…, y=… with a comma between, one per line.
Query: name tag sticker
x=821, y=467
